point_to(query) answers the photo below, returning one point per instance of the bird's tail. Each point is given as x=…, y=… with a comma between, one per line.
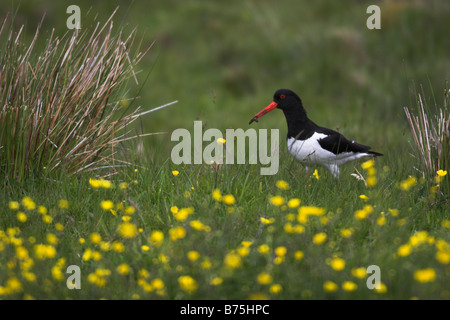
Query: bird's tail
x=375, y=154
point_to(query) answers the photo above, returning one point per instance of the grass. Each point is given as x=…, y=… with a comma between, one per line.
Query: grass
x=222, y=266
x=223, y=64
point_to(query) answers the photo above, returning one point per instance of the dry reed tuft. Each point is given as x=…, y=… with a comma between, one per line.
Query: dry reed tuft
x=60, y=107
x=431, y=135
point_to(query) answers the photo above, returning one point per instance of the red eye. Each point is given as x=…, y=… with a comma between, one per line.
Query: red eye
x=282, y=96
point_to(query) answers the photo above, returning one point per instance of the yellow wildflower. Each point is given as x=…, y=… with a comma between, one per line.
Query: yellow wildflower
x=281, y=184
x=349, y=286
x=175, y=173
x=368, y=164
x=264, y=278
x=346, y=233
x=193, y=255
x=95, y=238
x=381, y=221
x=441, y=173
x=63, y=204
x=187, y=283
x=28, y=203
x=14, y=205
x=216, y=281
x=319, y=238
x=264, y=248
x=123, y=269
x=425, y=275
x=217, y=195
x=127, y=230
x=316, y=174
x=293, y=203
x=118, y=246
x=21, y=216
x=228, y=199
x=156, y=238
x=280, y=251
x=330, y=286
x=408, y=183
x=371, y=181
x=404, y=250
x=277, y=200
x=232, y=261
x=298, y=255
x=359, y=273
x=275, y=288
x=337, y=264
x=107, y=205
x=443, y=257
x=177, y=233
x=43, y=251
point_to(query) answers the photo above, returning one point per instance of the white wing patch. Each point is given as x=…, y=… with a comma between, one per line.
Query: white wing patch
x=310, y=152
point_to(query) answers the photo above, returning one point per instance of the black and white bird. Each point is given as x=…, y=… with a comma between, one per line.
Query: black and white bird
x=310, y=143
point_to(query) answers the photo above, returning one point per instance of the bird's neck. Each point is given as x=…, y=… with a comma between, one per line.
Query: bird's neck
x=297, y=121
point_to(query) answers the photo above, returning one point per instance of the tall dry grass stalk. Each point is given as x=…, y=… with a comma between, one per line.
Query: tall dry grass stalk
x=60, y=106
x=431, y=136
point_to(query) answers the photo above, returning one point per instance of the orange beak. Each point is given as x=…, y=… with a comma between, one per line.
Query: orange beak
x=267, y=109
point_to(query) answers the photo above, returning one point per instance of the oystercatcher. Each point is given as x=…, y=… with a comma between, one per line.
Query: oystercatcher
x=310, y=143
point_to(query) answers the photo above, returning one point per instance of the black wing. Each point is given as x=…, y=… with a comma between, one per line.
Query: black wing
x=337, y=143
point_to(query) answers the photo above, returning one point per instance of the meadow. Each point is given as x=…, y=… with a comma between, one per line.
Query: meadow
x=154, y=230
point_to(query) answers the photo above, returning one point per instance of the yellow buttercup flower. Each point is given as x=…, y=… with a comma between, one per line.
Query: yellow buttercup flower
x=293, y=203
x=123, y=269
x=298, y=255
x=156, y=238
x=217, y=195
x=337, y=264
x=441, y=173
x=63, y=204
x=425, y=275
x=14, y=205
x=275, y=288
x=175, y=173
x=346, y=233
x=95, y=238
x=280, y=251
x=330, y=286
x=359, y=273
x=404, y=250
x=21, y=216
x=316, y=174
x=264, y=248
x=408, y=183
x=127, y=230
x=28, y=203
x=277, y=200
x=228, y=199
x=193, y=255
x=368, y=164
x=107, y=205
x=264, y=278
x=319, y=238
x=349, y=286
x=216, y=281
x=281, y=184
x=177, y=233
x=232, y=261
x=187, y=283
x=443, y=257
